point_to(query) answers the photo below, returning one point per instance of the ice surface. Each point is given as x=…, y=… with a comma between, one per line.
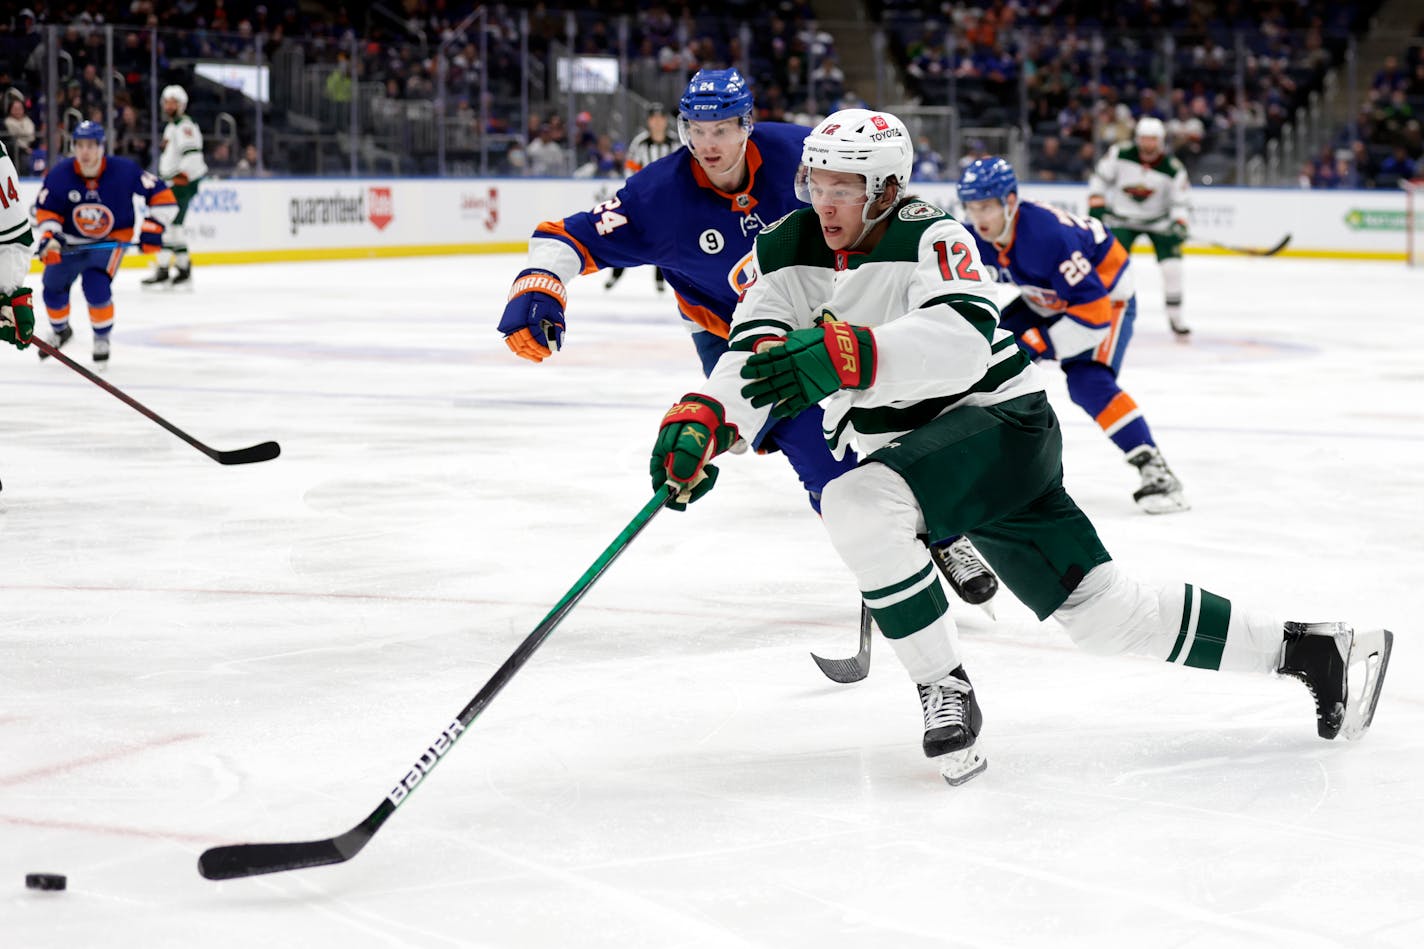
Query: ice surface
x=193, y=655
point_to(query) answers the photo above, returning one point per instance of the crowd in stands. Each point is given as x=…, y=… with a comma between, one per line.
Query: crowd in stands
x=1386, y=144
x=1076, y=74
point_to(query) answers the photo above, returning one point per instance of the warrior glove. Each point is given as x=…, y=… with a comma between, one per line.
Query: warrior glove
x=533, y=321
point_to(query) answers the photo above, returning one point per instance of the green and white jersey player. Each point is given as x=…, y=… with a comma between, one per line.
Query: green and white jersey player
x=1139, y=190
x=17, y=314
x=878, y=306
x=180, y=164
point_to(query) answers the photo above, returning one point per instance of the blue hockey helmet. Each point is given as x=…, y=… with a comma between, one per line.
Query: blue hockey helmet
x=991, y=177
x=92, y=131
x=714, y=94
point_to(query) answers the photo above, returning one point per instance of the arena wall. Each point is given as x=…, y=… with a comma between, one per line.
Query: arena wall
x=253, y=220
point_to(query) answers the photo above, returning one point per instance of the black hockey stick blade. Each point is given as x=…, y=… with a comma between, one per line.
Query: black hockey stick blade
x=250, y=455
x=244, y=860
x=242, y=456
x=1256, y=251
x=855, y=668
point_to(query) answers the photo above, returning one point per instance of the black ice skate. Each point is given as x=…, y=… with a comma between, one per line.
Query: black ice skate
x=968, y=575
x=158, y=278
x=101, y=349
x=1343, y=670
x=1180, y=328
x=1161, y=492
x=57, y=339
x=952, y=722
x=183, y=279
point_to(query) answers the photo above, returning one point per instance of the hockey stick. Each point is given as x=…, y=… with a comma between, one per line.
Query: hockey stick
x=244, y=860
x=1254, y=251
x=855, y=668
x=242, y=456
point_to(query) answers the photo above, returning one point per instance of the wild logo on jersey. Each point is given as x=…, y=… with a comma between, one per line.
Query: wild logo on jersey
x=1139, y=193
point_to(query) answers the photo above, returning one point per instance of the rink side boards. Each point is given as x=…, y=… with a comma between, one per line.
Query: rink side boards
x=235, y=221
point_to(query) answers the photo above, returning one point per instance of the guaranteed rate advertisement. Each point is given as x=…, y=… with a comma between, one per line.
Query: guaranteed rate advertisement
x=311, y=218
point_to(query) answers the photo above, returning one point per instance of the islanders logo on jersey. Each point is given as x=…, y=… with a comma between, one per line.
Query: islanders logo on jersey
x=93, y=220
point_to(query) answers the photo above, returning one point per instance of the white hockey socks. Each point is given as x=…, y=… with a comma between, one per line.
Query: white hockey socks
x=1111, y=613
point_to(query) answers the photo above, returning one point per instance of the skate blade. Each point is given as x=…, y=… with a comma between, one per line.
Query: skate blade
x=1164, y=503
x=988, y=607
x=1367, y=663
x=958, y=767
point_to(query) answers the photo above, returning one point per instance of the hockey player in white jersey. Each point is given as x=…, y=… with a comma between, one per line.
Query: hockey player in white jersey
x=181, y=164
x=878, y=307
x=1138, y=190
x=17, y=314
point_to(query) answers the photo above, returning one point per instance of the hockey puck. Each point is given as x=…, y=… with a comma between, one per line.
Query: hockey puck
x=45, y=881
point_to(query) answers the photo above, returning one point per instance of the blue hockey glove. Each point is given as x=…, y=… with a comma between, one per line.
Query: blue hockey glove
x=533, y=321
x=1030, y=330
x=51, y=248
x=150, y=236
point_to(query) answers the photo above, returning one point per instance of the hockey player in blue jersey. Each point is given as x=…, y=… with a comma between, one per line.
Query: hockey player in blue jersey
x=88, y=200
x=1075, y=305
x=733, y=179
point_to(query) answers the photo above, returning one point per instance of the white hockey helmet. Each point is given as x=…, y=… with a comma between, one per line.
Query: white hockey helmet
x=176, y=93
x=1149, y=127
x=862, y=142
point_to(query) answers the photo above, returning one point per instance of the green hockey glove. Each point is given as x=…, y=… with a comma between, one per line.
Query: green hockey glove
x=1099, y=211
x=17, y=317
x=693, y=432
x=810, y=366
x=1178, y=229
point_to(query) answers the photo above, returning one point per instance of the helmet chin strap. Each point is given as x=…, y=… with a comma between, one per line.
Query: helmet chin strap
x=1008, y=220
x=868, y=225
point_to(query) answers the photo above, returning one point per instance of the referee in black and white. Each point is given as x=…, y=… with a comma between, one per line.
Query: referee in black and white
x=647, y=147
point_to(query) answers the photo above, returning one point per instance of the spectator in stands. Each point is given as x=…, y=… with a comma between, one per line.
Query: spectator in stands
x=1054, y=165
x=587, y=146
x=246, y=166
x=929, y=164
x=827, y=82
x=1394, y=167
x=338, y=83
x=1346, y=174
x=545, y=155
x=91, y=87
x=220, y=160
x=1390, y=78
x=1119, y=127
x=19, y=135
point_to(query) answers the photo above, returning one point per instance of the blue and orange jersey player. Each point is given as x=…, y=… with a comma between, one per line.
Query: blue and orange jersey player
x=695, y=214
x=85, y=220
x=1075, y=304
